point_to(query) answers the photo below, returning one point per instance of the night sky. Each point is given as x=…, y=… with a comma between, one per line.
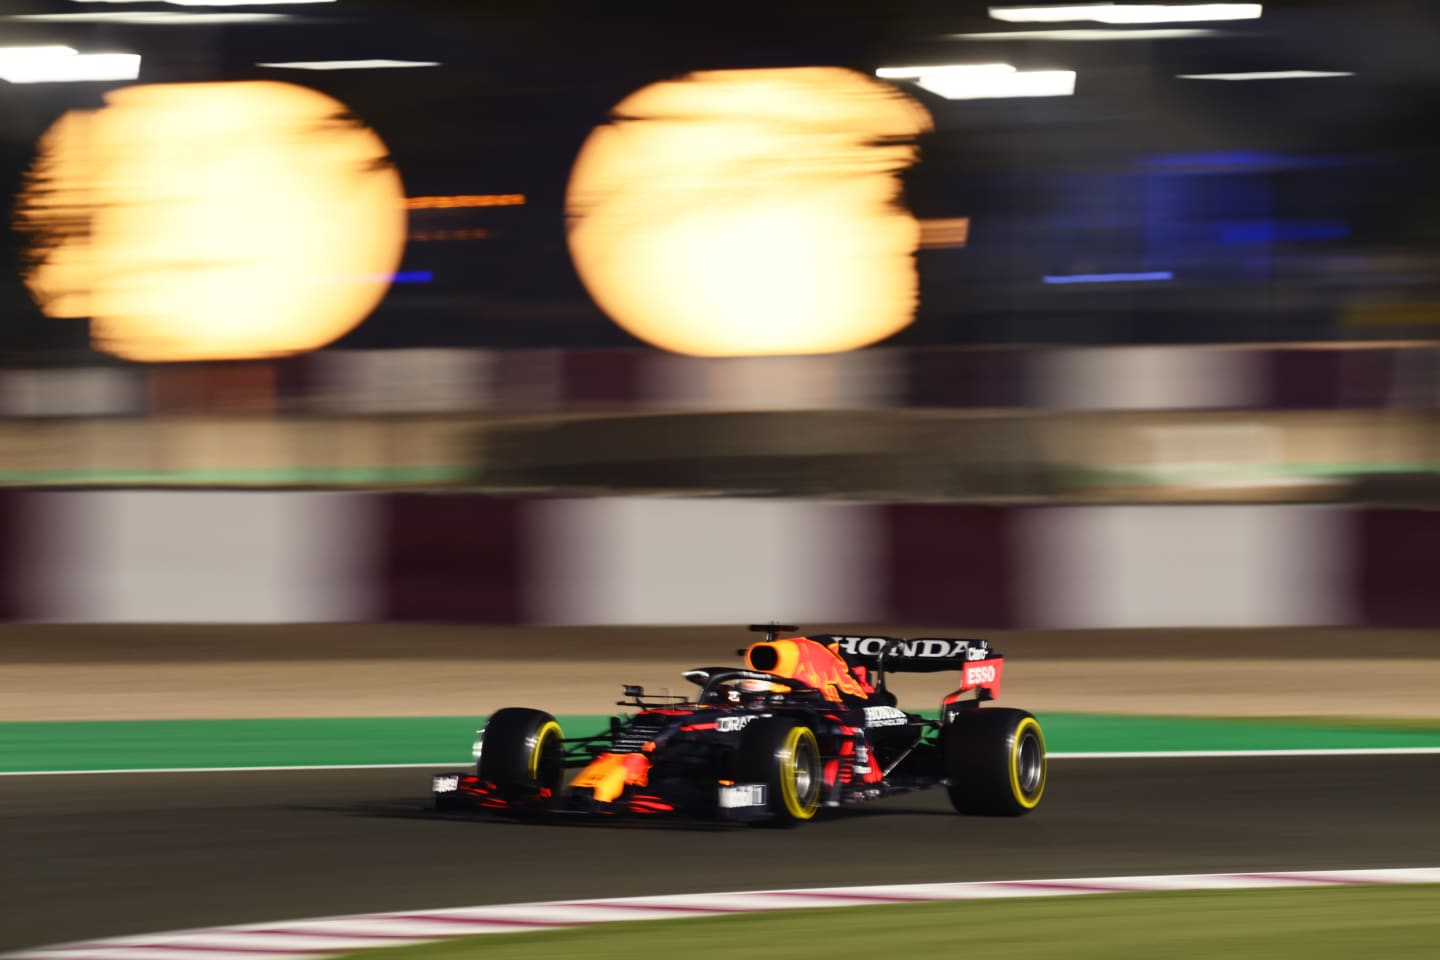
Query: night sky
x=1256, y=191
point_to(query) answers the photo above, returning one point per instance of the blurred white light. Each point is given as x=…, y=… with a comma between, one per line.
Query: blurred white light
x=156, y=19
x=1130, y=13
x=1266, y=75
x=64, y=65
x=1165, y=33
x=19, y=54
x=913, y=73
x=348, y=64
x=991, y=86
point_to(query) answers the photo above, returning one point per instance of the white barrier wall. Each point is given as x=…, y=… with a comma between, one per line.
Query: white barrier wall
x=663, y=561
x=1148, y=378
x=845, y=381
x=72, y=392
x=276, y=557
x=1185, y=566
x=148, y=556
x=400, y=381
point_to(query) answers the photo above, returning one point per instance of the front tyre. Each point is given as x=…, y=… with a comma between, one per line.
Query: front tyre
x=783, y=754
x=995, y=761
x=522, y=753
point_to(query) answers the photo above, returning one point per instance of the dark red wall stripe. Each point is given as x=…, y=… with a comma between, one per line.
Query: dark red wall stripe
x=451, y=558
x=967, y=377
x=601, y=378
x=950, y=564
x=1354, y=379
x=14, y=542
x=1399, y=568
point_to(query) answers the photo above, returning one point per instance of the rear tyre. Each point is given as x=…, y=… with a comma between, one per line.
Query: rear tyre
x=995, y=761
x=783, y=754
x=522, y=753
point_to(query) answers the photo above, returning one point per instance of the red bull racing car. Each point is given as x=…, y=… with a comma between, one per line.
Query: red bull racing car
x=803, y=724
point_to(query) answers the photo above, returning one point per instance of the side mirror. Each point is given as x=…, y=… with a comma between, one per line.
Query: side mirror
x=634, y=690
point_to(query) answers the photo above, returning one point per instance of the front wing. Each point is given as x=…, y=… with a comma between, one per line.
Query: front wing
x=725, y=800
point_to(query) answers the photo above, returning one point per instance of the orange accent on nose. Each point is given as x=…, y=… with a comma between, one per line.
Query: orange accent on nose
x=610, y=773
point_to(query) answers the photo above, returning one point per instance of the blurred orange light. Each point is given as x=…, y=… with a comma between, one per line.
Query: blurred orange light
x=946, y=232
x=466, y=200
x=425, y=236
x=212, y=221
x=751, y=212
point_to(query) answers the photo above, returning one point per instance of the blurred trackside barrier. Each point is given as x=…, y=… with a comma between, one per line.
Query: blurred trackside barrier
x=1340, y=376
x=275, y=557
x=1139, y=456
x=1116, y=423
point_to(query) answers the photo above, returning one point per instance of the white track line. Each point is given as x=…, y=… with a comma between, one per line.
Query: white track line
x=329, y=936
x=1301, y=752
x=271, y=769
x=1083, y=755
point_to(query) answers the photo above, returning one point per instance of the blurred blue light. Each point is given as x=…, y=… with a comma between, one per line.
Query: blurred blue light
x=1238, y=159
x=413, y=276
x=1269, y=231
x=1111, y=277
x=1233, y=159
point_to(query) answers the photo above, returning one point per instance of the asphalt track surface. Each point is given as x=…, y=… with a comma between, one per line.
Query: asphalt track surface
x=100, y=855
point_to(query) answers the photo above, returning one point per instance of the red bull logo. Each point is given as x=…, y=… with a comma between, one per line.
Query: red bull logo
x=803, y=659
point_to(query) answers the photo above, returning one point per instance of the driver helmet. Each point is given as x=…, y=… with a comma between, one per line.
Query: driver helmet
x=754, y=693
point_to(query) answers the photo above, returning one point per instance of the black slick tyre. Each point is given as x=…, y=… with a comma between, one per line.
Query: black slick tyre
x=995, y=761
x=522, y=753
x=783, y=754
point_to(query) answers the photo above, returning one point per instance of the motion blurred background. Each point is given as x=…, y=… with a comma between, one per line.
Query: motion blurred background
x=997, y=316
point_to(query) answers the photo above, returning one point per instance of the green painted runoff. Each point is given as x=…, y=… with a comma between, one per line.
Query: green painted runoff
x=170, y=744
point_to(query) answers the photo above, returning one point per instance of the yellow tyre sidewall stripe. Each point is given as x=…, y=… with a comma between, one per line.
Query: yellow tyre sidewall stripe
x=788, y=792
x=550, y=728
x=1028, y=724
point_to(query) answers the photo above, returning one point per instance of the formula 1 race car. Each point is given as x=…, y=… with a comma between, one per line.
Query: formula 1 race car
x=805, y=723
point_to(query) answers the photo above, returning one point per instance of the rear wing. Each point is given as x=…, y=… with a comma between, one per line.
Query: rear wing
x=872, y=657
x=914, y=655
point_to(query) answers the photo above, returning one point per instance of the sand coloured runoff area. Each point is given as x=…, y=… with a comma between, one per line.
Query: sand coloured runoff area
x=140, y=672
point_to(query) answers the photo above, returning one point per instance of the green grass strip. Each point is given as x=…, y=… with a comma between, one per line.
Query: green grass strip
x=1106, y=733
x=159, y=744
x=168, y=744
x=1238, y=473
x=1341, y=923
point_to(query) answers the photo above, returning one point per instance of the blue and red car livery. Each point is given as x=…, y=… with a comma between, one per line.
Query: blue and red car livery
x=802, y=724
